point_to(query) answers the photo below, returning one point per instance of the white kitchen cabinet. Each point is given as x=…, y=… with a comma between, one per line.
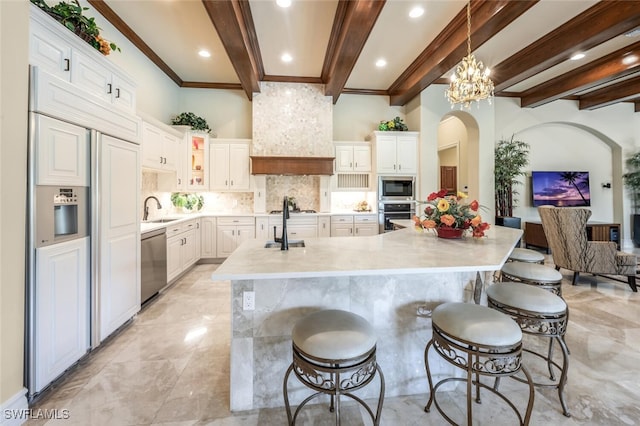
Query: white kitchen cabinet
x=230, y=165
x=208, y=237
x=396, y=153
x=233, y=231
x=298, y=226
x=119, y=239
x=324, y=226
x=262, y=228
x=198, y=239
x=353, y=225
x=62, y=304
x=59, y=51
x=260, y=194
x=62, y=153
x=353, y=157
x=159, y=149
x=342, y=226
x=182, y=243
x=365, y=225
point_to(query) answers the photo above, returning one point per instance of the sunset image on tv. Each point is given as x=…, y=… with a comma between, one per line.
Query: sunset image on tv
x=561, y=189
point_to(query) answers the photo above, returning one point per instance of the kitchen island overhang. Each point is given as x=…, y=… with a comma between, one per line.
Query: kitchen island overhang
x=388, y=279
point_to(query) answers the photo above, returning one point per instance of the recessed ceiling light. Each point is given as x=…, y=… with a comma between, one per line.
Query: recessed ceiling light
x=204, y=53
x=283, y=3
x=629, y=60
x=381, y=63
x=416, y=12
x=577, y=56
x=286, y=57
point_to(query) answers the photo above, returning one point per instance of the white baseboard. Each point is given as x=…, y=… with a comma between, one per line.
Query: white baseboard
x=15, y=410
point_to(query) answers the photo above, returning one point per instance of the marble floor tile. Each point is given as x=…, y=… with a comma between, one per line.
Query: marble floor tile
x=170, y=366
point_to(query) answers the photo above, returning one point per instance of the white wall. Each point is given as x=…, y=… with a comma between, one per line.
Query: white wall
x=14, y=27
x=356, y=116
x=228, y=112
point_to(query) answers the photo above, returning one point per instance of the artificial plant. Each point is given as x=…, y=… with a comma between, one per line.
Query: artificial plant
x=511, y=156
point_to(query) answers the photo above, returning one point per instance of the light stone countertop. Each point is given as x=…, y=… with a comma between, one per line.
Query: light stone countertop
x=405, y=251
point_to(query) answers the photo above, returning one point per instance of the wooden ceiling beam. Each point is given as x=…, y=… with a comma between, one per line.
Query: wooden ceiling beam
x=134, y=38
x=488, y=17
x=619, y=92
x=601, y=22
x=234, y=24
x=616, y=65
x=352, y=25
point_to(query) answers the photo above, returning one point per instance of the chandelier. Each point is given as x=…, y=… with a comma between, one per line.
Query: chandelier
x=470, y=81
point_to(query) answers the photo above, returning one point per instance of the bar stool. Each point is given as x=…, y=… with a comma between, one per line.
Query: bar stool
x=533, y=274
x=540, y=313
x=525, y=255
x=481, y=341
x=334, y=353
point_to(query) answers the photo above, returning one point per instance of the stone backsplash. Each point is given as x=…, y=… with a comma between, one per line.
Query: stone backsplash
x=305, y=189
x=292, y=119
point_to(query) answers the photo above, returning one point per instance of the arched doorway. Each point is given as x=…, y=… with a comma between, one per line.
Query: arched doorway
x=458, y=148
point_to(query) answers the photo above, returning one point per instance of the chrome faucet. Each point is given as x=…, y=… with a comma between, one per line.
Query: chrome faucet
x=146, y=208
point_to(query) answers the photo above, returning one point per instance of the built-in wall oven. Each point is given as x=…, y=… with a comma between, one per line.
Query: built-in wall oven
x=396, y=188
x=388, y=211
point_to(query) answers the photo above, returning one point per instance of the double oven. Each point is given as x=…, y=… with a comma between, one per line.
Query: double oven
x=396, y=200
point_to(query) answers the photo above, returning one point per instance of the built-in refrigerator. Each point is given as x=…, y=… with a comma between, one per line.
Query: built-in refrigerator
x=83, y=236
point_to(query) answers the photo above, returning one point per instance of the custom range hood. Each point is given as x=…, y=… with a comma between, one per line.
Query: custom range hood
x=293, y=166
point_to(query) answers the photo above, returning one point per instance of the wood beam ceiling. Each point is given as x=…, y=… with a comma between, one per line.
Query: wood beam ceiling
x=233, y=22
x=352, y=25
x=488, y=17
x=623, y=91
x=613, y=66
x=601, y=22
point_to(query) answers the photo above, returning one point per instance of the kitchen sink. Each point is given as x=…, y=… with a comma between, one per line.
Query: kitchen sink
x=292, y=244
x=165, y=220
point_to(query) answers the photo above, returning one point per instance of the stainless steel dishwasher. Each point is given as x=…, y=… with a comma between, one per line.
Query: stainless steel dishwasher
x=154, y=263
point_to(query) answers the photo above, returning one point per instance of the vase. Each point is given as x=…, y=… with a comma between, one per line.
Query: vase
x=450, y=233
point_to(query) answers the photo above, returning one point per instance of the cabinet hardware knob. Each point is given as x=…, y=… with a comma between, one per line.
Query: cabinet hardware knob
x=67, y=64
x=109, y=90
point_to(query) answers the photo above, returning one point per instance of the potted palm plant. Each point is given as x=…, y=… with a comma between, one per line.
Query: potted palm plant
x=632, y=182
x=511, y=156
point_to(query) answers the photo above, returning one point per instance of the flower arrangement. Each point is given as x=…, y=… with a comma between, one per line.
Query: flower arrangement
x=446, y=212
x=70, y=15
x=396, y=124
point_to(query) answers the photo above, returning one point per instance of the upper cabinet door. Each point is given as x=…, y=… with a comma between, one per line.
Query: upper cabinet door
x=386, y=155
x=361, y=158
x=344, y=158
x=49, y=51
x=407, y=154
x=62, y=153
x=239, y=175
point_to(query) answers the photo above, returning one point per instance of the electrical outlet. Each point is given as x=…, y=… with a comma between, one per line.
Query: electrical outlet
x=248, y=300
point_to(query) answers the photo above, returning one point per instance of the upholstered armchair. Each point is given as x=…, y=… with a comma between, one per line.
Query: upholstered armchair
x=565, y=229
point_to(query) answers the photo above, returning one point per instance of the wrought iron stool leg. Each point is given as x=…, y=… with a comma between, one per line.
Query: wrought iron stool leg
x=285, y=392
x=427, y=408
x=563, y=376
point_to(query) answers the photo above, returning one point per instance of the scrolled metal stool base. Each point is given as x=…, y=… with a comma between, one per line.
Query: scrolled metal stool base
x=553, y=326
x=553, y=287
x=335, y=378
x=478, y=360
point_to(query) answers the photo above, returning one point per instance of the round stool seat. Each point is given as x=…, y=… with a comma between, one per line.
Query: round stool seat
x=476, y=324
x=333, y=335
x=526, y=255
x=532, y=272
x=526, y=297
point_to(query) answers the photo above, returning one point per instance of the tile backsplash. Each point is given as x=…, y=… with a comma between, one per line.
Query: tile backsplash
x=305, y=189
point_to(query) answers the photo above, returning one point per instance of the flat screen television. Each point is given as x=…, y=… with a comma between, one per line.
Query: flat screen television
x=560, y=189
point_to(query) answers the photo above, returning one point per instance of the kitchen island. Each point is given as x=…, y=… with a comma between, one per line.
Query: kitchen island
x=393, y=280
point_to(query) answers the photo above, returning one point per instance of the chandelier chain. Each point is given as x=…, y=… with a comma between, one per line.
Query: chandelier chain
x=469, y=28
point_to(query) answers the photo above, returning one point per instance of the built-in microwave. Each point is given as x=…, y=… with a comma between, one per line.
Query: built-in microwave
x=396, y=188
